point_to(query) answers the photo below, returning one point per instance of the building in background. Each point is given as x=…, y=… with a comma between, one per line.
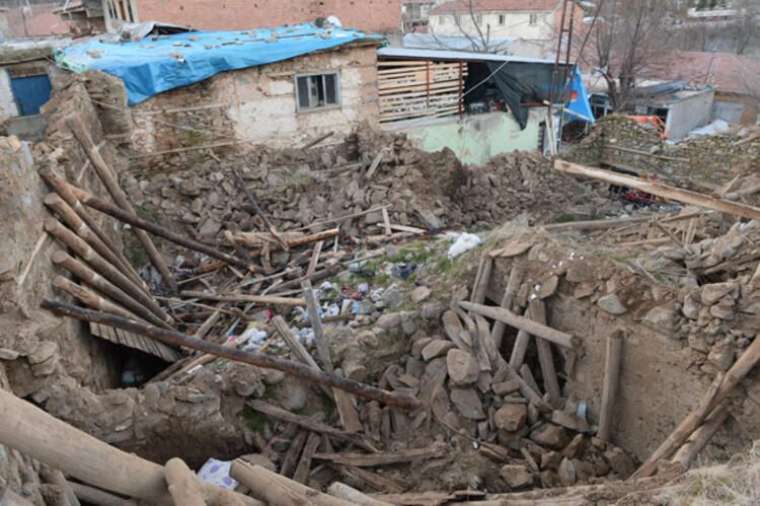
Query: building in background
x=415, y=15
x=734, y=78
x=532, y=26
x=383, y=16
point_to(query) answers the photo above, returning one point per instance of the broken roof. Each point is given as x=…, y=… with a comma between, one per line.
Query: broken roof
x=161, y=63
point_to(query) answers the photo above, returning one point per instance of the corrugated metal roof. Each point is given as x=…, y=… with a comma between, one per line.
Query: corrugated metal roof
x=435, y=54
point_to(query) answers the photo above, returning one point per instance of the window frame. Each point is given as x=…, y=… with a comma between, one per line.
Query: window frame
x=533, y=19
x=502, y=19
x=338, y=91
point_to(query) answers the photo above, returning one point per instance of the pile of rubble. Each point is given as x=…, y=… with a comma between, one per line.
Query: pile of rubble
x=297, y=188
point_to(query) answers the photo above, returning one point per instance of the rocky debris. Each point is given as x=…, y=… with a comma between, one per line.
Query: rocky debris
x=611, y=304
x=462, y=366
x=516, y=476
x=551, y=436
x=436, y=348
x=468, y=403
x=511, y=417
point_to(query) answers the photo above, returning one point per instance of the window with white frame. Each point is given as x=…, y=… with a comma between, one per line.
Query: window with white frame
x=502, y=19
x=533, y=19
x=478, y=19
x=317, y=91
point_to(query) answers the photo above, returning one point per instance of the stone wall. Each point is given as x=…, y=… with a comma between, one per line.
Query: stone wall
x=255, y=106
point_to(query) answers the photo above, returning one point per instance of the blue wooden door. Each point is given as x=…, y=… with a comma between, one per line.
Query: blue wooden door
x=31, y=93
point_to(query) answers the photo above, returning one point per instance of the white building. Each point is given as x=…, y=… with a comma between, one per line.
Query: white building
x=528, y=22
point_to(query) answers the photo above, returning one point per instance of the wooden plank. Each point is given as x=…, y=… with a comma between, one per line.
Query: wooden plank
x=304, y=465
x=661, y=190
x=308, y=423
x=383, y=458
x=611, y=380
x=561, y=338
x=421, y=114
x=390, y=90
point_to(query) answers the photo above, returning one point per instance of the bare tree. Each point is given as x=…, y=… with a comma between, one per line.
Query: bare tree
x=627, y=38
x=468, y=21
x=746, y=27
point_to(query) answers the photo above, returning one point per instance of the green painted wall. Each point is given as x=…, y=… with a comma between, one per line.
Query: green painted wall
x=477, y=138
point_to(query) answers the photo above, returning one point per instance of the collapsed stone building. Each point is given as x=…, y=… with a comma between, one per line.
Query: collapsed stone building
x=308, y=324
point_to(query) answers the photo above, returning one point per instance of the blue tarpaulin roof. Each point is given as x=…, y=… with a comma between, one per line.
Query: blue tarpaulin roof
x=579, y=107
x=161, y=63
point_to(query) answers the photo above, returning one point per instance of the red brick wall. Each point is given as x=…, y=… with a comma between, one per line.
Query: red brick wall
x=369, y=15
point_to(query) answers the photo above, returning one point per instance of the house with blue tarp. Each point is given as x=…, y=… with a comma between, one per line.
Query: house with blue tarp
x=280, y=87
x=287, y=85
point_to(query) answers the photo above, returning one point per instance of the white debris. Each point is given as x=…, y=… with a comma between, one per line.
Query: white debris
x=717, y=127
x=252, y=338
x=463, y=243
x=217, y=472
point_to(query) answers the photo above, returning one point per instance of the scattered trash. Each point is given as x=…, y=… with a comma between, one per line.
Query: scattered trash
x=463, y=243
x=217, y=472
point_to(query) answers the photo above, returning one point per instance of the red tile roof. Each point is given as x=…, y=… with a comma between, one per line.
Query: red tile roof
x=726, y=72
x=496, y=6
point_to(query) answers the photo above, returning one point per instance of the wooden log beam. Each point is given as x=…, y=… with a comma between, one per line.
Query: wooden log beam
x=546, y=356
x=383, y=459
x=344, y=402
x=719, y=391
x=108, y=178
x=75, y=223
x=257, y=240
x=31, y=431
x=516, y=275
x=686, y=455
x=94, y=280
x=682, y=432
x=101, y=266
x=90, y=298
x=277, y=490
x=343, y=491
x=184, y=486
x=92, y=495
x=661, y=190
x=178, y=339
x=61, y=187
x=309, y=424
x=262, y=300
x=134, y=220
x=519, y=322
x=611, y=381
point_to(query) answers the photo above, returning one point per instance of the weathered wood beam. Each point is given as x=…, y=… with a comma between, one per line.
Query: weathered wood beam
x=178, y=339
x=661, y=190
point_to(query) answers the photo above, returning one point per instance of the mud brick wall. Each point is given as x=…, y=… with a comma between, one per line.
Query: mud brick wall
x=369, y=15
x=253, y=106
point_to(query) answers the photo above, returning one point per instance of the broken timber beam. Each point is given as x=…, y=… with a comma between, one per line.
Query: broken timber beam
x=343, y=491
x=277, y=490
x=261, y=300
x=132, y=219
x=61, y=187
x=75, y=223
x=661, y=190
x=519, y=322
x=184, y=486
x=33, y=432
x=721, y=388
x=93, y=279
x=178, y=339
x=108, y=178
x=102, y=266
x=611, y=381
